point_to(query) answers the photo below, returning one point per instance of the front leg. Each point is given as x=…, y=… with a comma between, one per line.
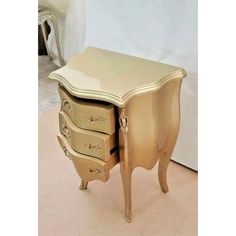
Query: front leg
x=125, y=169
x=126, y=174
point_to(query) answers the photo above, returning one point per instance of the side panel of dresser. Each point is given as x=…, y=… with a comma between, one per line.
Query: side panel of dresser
x=153, y=124
x=86, y=115
x=149, y=129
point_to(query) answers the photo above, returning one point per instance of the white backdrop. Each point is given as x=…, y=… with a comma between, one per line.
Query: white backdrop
x=164, y=31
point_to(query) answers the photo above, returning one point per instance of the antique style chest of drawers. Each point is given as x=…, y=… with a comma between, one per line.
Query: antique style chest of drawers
x=121, y=109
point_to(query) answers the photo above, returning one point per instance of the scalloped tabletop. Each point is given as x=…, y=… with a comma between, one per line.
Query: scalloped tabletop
x=113, y=77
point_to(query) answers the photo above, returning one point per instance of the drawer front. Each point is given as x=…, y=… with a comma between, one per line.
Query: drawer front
x=88, y=168
x=84, y=141
x=88, y=115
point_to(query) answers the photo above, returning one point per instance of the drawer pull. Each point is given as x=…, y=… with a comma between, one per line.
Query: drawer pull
x=66, y=105
x=95, y=171
x=66, y=152
x=94, y=146
x=98, y=119
x=66, y=131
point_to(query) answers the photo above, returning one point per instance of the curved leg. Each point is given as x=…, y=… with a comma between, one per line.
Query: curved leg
x=43, y=29
x=126, y=174
x=53, y=20
x=83, y=185
x=125, y=169
x=162, y=170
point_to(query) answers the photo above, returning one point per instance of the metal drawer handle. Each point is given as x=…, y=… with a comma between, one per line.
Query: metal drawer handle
x=94, y=146
x=66, y=152
x=65, y=131
x=95, y=171
x=123, y=122
x=98, y=119
x=66, y=105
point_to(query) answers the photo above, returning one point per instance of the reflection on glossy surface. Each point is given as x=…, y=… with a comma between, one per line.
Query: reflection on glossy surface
x=112, y=77
x=153, y=123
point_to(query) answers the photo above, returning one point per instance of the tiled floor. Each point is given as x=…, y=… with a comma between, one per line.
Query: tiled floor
x=47, y=89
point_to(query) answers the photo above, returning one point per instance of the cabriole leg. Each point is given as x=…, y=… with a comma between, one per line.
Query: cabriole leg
x=162, y=172
x=126, y=171
x=43, y=28
x=126, y=175
x=53, y=20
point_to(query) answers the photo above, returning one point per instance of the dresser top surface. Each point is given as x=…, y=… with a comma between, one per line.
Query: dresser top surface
x=111, y=76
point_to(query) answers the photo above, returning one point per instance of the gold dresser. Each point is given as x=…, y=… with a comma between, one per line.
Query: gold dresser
x=117, y=108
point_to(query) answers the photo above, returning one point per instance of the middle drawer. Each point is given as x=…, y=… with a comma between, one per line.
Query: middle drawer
x=85, y=141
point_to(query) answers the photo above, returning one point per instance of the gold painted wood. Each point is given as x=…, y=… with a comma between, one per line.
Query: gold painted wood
x=149, y=127
x=125, y=167
x=88, y=168
x=146, y=94
x=88, y=115
x=153, y=124
x=84, y=141
x=113, y=77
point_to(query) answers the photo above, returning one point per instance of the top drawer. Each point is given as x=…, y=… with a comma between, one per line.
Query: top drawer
x=88, y=115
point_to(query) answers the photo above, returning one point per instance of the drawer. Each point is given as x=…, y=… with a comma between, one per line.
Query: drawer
x=88, y=115
x=85, y=141
x=89, y=168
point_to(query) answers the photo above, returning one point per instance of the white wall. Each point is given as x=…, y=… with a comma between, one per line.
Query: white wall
x=159, y=30
x=164, y=31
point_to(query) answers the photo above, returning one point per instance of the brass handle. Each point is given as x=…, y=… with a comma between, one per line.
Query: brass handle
x=66, y=131
x=66, y=152
x=123, y=122
x=94, y=146
x=98, y=119
x=66, y=105
x=95, y=171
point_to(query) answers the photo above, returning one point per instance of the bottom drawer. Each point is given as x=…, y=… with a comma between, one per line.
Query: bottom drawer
x=89, y=168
